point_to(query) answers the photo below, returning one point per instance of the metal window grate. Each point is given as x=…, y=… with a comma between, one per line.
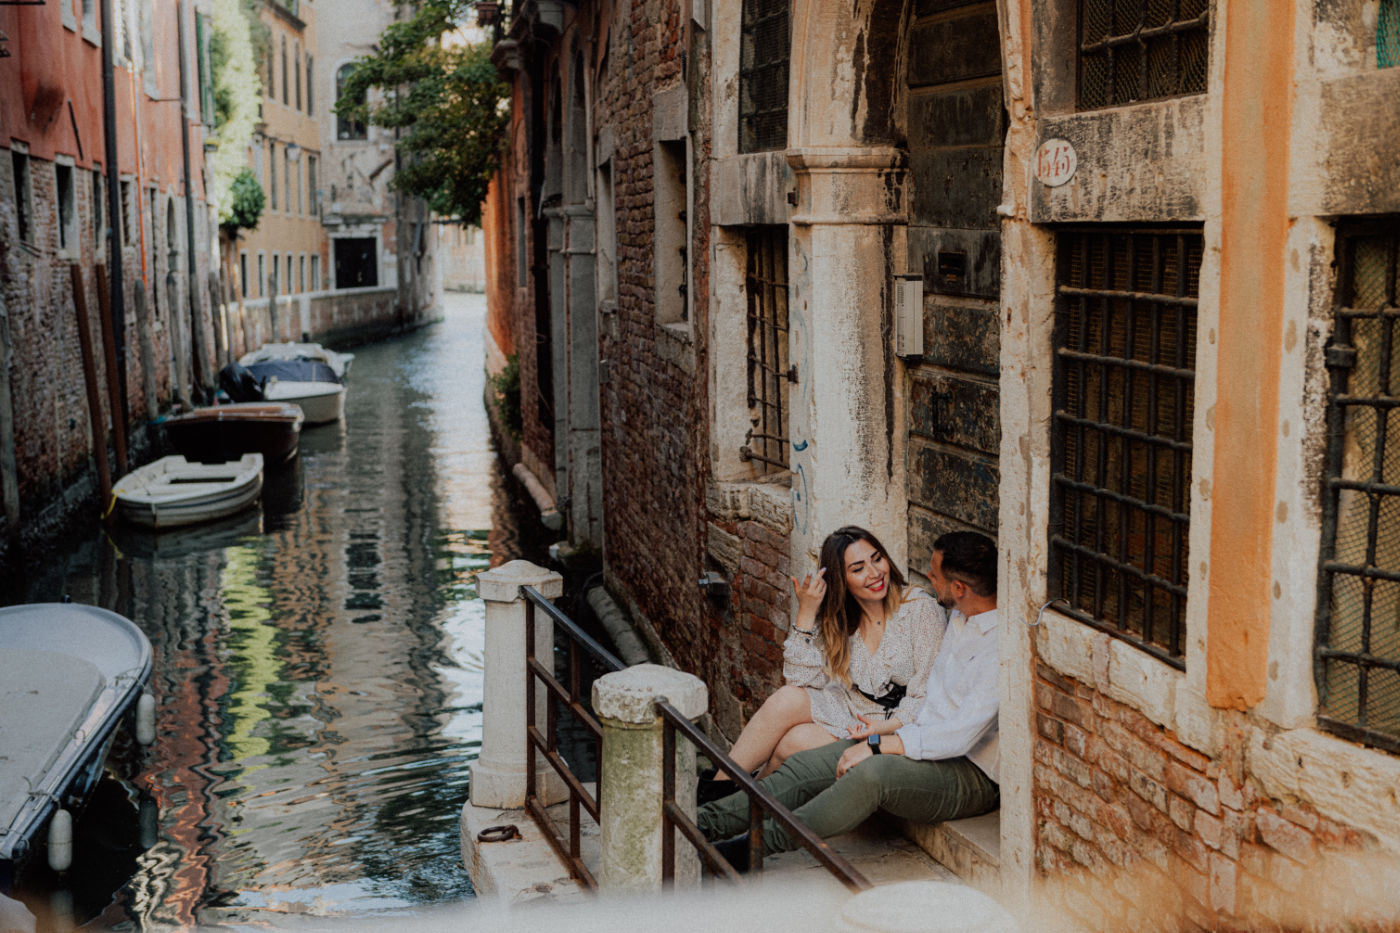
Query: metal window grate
x=1132, y=50
x=1388, y=34
x=768, y=371
x=1124, y=394
x=1357, y=664
x=763, y=75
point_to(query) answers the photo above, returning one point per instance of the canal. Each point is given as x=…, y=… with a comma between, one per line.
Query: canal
x=317, y=667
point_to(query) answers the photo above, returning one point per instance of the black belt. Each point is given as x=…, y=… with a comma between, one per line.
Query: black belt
x=893, y=695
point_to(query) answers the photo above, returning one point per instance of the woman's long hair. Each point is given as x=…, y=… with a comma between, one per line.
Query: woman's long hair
x=839, y=614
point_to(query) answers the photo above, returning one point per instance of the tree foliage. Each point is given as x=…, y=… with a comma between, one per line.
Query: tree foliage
x=446, y=101
x=246, y=204
x=235, y=37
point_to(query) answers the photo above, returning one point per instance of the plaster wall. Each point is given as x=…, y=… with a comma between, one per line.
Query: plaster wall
x=1162, y=162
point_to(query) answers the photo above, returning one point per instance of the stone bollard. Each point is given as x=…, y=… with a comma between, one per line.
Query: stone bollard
x=498, y=774
x=629, y=793
x=924, y=907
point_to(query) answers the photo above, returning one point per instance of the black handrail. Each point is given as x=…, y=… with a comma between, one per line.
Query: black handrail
x=537, y=671
x=761, y=804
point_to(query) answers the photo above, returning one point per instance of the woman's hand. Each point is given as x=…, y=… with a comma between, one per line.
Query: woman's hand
x=809, y=597
x=875, y=727
x=852, y=757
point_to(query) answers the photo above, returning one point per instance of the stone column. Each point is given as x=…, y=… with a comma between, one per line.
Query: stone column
x=498, y=775
x=630, y=790
x=847, y=408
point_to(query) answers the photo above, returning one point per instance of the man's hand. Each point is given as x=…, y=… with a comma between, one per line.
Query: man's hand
x=852, y=757
x=875, y=727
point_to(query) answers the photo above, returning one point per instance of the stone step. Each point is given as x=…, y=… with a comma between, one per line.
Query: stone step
x=970, y=848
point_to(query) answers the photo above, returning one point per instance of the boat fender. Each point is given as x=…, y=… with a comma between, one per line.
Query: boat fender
x=146, y=719
x=61, y=840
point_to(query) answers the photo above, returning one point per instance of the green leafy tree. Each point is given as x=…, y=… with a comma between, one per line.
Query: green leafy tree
x=446, y=100
x=246, y=207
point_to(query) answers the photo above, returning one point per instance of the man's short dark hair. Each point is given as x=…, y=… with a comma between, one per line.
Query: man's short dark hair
x=970, y=557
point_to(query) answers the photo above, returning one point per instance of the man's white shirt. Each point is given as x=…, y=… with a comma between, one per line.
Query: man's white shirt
x=959, y=715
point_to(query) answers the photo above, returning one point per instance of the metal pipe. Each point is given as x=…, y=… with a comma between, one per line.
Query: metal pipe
x=114, y=205
x=202, y=382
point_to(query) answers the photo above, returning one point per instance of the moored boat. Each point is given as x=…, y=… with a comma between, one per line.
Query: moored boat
x=227, y=432
x=68, y=675
x=338, y=362
x=312, y=386
x=172, y=491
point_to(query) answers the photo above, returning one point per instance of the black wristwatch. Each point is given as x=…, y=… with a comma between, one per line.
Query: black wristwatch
x=874, y=743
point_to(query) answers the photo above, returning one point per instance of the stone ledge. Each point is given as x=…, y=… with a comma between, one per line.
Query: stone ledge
x=970, y=848
x=522, y=870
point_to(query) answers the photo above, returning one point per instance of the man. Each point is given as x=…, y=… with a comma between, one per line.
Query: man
x=942, y=766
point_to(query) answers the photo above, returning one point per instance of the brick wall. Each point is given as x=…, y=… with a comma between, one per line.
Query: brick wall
x=654, y=420
x=1125, y=807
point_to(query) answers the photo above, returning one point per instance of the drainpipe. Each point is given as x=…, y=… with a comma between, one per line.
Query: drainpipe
x=196, y=318
x=114, y=202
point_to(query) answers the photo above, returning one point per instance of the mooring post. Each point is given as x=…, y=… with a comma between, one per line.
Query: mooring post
x=630, y=775
x=498, y=776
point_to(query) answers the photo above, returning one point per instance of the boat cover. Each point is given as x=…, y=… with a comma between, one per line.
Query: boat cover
x=293, y=371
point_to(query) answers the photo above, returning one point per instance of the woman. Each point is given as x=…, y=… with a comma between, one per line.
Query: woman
x=861, y=646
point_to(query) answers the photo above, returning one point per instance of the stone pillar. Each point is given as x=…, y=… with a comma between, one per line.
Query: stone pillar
x=923, y=907
x=498, y=775
x=847, y=408
x=630, y=790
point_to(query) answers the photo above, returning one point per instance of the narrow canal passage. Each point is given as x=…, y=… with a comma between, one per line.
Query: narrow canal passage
x=318, y=667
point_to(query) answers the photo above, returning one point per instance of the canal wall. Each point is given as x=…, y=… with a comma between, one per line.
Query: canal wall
x=58, y=487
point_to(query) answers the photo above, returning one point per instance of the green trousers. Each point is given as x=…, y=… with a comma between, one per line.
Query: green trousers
x=925, y=791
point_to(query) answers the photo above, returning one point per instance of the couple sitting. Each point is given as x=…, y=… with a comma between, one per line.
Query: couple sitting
x=890, y=702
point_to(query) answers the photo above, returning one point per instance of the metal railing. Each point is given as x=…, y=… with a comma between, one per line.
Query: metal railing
x=540, y=672
x=761, y=805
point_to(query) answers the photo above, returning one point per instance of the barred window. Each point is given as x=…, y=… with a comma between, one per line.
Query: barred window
x=1358, y=606
x=1124, y=398
x=1132, y=50
x=765, y=284
x=763, y=75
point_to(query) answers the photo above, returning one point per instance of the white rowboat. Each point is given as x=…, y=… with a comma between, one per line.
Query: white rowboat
x=320, y=402
x=172, y=491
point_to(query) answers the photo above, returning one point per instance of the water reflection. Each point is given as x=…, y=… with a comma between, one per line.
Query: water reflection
x=318, y=666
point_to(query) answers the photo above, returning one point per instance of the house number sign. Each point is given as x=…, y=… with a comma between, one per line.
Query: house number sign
x=1055, y=162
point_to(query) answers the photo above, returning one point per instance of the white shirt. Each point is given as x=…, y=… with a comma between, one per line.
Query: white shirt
x=959, y=715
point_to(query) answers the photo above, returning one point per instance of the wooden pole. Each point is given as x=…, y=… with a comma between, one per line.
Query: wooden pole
x=9, y=470
x=218, y=312
x=109, y=348
x=148, y=353
x=94, y=395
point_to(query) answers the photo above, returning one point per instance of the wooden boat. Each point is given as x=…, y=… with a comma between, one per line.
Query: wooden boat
x=338, y=362
x=227, y=432
x=68, y=675
x=172, y=491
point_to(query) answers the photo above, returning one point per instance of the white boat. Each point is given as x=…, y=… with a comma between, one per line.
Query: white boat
x=320, y=402
x=172, y=491
x=68, y=674
x=338, y=362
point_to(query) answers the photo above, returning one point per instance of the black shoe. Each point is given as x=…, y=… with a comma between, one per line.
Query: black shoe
x=736, y=852
x=709, y=790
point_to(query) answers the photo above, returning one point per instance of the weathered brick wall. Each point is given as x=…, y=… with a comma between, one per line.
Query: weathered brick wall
x=1121, y=803
x=654, y=416
x=748, y=633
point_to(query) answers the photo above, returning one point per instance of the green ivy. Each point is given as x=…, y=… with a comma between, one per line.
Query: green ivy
x=505, y=387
